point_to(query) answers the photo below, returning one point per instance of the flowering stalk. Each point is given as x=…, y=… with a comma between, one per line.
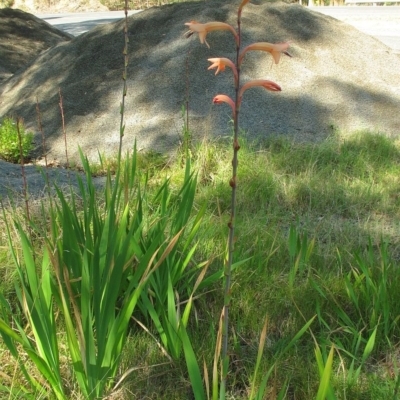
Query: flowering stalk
x=220, y=64
x=231, y=223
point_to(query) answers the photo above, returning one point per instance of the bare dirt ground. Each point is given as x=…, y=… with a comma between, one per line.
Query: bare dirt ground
x=338, y=78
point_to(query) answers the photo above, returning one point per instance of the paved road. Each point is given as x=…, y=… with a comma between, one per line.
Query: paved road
x=381, y=22
x=78, y=23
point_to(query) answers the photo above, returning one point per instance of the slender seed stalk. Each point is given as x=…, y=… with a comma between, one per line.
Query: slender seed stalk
x=21, y=159
x=25, y=184
x=122, y=111
x=187, y=137
x=64, y=132
x=124, y=76
x=44, y=147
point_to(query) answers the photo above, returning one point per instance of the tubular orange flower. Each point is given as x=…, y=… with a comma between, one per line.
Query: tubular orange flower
x=203, y=29
x=274, y=49
x=242, y=4
x=222, y=98
x=269, y=85
x=221, y=63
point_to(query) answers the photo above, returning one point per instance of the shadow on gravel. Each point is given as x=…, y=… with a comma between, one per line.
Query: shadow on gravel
x=11, y=183
x=24, y=37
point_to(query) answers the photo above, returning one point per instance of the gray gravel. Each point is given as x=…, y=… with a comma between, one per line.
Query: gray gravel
x=12, y=183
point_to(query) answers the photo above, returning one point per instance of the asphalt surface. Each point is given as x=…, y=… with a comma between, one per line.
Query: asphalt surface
x=382, y=22
x=78, y=23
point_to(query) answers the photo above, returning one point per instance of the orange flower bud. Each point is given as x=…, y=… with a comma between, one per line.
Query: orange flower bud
x=203, y=29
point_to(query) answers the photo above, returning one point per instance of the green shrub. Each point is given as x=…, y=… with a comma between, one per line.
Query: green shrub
x=9, y=142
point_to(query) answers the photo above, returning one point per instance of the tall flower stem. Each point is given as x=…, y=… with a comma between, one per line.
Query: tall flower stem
x=220, y=64
x=231, y=223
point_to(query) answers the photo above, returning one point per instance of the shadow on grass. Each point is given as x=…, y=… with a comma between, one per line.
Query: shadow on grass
x=340, y=191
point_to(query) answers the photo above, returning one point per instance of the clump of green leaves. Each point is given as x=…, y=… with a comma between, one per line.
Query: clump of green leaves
x=12, y=142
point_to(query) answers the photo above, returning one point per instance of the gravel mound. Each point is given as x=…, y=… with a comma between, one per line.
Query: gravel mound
x=23, y=38
x=337, y=78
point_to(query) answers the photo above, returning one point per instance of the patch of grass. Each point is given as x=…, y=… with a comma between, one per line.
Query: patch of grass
x=343, y=194
x=151, y=161
x=11, y=147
